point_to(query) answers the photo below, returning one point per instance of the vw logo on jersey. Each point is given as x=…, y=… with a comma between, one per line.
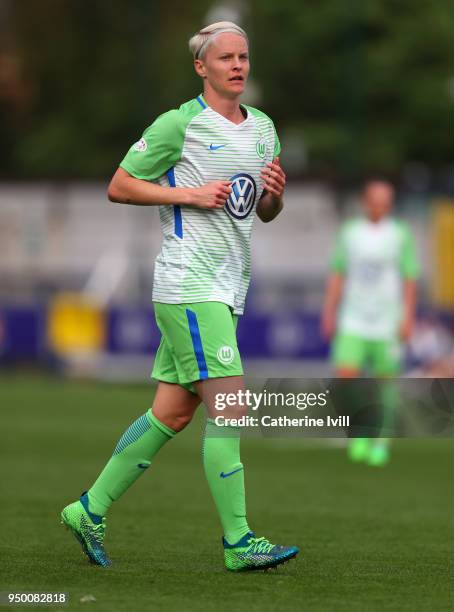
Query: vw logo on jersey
x=242, y=198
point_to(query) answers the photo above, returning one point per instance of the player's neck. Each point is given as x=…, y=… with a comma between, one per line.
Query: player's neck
x=227, y=107
x=376, y=220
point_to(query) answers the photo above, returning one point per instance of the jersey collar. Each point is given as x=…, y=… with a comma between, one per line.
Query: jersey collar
x=203, y=103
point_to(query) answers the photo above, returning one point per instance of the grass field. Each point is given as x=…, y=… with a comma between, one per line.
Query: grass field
x=371, y=539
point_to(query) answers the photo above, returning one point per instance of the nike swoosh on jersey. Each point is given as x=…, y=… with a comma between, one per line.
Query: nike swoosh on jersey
x=213, y=147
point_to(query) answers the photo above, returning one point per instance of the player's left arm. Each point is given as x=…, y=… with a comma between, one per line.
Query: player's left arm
x=271, y=203
x=410, y=290
x=409, y=267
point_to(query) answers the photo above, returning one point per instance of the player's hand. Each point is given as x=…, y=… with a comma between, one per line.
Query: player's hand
x=212, y=195
x=273, y=178
x=406, y=329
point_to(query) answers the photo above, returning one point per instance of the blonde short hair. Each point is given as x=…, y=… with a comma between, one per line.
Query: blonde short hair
x=200, y=42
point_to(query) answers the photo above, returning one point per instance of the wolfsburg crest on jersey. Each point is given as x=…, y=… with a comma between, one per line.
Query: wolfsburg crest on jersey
x=205, y=254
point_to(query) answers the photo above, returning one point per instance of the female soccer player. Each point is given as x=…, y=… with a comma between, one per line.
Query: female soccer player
x=370, y=303
x=211, y=166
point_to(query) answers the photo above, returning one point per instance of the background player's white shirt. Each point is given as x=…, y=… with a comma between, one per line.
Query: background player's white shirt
x=374, y=258
x=205, y=254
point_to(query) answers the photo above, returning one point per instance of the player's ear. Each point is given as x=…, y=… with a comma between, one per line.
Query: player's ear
x=200, y=68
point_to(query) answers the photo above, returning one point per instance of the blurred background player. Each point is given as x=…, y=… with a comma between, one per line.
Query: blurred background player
x=369, y=307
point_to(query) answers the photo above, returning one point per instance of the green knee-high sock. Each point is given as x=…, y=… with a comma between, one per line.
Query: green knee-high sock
x=225, y=475
x=131, y=457
x=390, y=397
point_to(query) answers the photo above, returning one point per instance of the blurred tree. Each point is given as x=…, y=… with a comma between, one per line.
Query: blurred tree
x=100, y=72
x=367, y=84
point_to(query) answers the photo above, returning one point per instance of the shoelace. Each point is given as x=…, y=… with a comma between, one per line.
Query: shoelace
x=98, y=532
x=260, y=545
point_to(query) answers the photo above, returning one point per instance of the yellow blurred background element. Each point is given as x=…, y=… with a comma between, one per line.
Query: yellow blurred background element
x=443, y=252
x=75, y=323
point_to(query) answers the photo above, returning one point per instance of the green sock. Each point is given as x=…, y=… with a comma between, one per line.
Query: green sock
x=131, y=457
x=225, y=475
x=390, y=396
x=381, y=443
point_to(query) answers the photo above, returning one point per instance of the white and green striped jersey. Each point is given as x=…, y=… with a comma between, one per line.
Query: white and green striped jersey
x=374, y=258
x=205, y=254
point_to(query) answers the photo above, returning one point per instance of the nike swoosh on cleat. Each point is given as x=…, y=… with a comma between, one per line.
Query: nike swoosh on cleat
x=223, y=475
x=213, y=147
x=143, y=466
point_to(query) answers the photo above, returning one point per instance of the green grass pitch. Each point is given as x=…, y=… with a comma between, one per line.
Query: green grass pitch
x=371, y=538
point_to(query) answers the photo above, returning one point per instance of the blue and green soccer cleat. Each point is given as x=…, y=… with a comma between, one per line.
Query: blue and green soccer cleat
x=251, y=553
x=358, y=449
x=379, y=455
x=88, y=528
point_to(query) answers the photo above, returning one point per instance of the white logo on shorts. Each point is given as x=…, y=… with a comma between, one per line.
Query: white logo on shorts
x=141, y=145
x=395, y=351
x=226, y=354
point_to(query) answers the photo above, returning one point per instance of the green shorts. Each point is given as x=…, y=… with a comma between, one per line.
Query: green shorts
x=380, y=357
x=198, y=342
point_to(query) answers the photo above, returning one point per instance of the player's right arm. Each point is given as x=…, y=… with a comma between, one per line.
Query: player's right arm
x=153, y=156
x=126, y=189
x=333, y=295
x=334, y=289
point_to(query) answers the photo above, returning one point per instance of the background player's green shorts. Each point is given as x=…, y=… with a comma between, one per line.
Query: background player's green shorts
x=380, y=357
x=198, y=342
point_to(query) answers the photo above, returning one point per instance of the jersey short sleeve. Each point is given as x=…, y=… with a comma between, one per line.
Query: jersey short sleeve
x=409, y=265
x=338, y=262
x=277, y=144
x=159, y=148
